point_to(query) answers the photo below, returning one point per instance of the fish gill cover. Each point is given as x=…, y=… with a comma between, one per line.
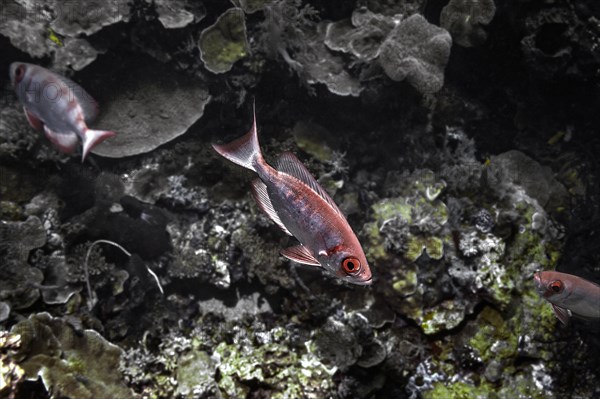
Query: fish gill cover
x=459, y=141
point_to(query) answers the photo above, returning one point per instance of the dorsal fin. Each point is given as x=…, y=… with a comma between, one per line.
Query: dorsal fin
x=288, y=163
x=261, y=196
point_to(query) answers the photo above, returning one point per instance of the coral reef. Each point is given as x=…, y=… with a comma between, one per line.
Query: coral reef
x=225, y=42
x=78, y=364
x=149, y=271
x=465, y=20
x=175, y=14
x=173, y=102
x=417, y=51
x=358, y=35
x=36, y=28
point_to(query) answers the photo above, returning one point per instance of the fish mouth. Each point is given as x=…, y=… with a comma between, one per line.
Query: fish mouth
x=366, y=282
x=539, y=285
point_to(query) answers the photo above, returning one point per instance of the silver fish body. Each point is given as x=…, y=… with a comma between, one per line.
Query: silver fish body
x=569, y=294
x=58, y=106
x=295, y=201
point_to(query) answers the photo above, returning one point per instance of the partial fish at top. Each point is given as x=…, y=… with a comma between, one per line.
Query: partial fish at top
x=58, y=106
x=296, y=202
x=569, y=295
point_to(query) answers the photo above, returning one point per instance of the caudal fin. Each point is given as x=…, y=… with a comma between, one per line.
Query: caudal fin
x=92, y=139
x=244, y=151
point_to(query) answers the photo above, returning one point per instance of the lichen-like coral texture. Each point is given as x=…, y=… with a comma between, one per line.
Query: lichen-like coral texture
x=224, y=43
x=76, y=364
x=465, y=20
x=149, y=270
x=417, y=51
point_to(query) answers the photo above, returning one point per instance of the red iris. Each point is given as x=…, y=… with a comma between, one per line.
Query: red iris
x=351, y=265
x=556, y=286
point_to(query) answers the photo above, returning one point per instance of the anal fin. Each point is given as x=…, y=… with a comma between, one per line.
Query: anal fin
x=261, y=196
x=65, y=142
x=564, y=315
x=300, y=254
x=33, y=120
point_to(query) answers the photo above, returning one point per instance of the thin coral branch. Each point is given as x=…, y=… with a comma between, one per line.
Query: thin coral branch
x=93, y=300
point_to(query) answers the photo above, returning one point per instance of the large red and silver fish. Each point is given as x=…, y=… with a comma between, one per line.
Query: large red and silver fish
x=58, y=106
x=296, y=202
x=569, y=295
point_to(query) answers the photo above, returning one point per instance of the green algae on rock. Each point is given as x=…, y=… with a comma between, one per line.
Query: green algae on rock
x=445, y=316
x=284, y=372
x=313, y=139
x=11, y=374
x=492, y=344
x=225, y=42
x=195, y=374
x=70, y=363
x=413, y=222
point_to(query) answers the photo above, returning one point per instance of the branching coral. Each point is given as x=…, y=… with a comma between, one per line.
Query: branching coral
x=290, y=32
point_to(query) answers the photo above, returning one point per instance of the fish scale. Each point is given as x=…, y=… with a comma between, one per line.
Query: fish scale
x=294, y=200
x=569, y=294
x=63, y=114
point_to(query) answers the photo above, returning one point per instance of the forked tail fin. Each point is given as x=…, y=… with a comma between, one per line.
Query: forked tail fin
x=92, y=138
x=244, y=151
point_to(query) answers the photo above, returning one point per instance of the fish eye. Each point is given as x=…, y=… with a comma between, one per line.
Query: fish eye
x=351, y=265
x=19, y=73
x=556, y=286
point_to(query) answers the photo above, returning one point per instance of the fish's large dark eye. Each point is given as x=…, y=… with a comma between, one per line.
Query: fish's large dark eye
x=20, y=73
x=351, y=265
x=556, y=286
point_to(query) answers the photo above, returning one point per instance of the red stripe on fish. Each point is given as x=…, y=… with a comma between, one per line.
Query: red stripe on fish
x=293, y=198
x=569, y=294
x=49, y=100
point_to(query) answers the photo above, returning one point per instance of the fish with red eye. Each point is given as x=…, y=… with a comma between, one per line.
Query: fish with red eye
x=556, y=287
x=351, y=265
x=297, y=203
x=569, y=295
x=57, y=106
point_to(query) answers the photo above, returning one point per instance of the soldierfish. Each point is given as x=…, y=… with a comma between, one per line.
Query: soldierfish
x=569, y=294
x=58, y=106
x=296, y=202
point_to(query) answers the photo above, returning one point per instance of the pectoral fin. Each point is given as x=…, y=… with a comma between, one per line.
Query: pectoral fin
x=65, y=142
x=564, y=315
x=33, y=120
x=300, y=254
